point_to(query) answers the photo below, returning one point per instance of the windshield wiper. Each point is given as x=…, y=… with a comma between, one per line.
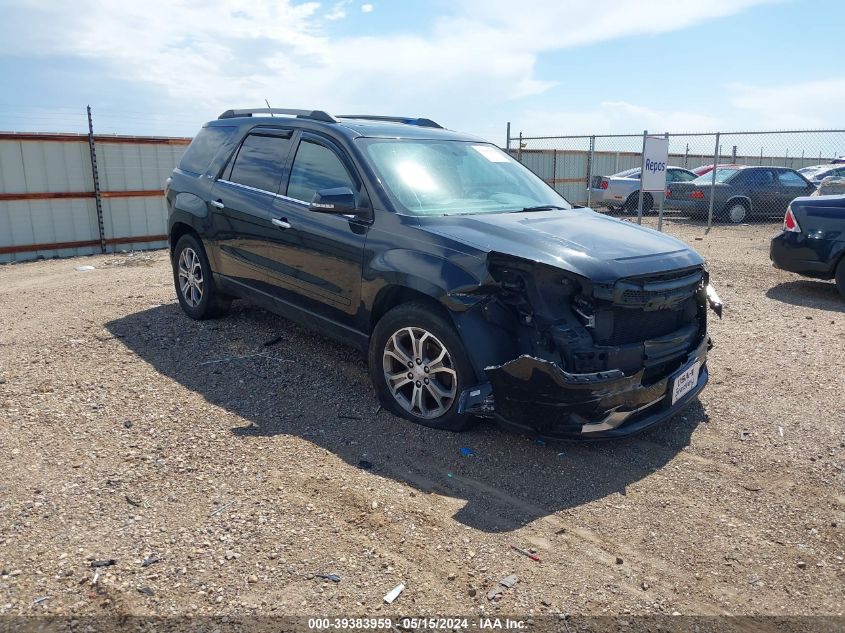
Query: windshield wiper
x=542, y=207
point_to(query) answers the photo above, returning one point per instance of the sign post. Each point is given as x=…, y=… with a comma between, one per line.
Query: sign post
x=653, y=172
x=662, y=200
x=640, y=196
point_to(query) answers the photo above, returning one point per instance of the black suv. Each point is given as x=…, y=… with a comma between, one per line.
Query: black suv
x=475, y=288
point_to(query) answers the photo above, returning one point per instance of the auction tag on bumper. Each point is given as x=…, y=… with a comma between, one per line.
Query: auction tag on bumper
x=685, y=381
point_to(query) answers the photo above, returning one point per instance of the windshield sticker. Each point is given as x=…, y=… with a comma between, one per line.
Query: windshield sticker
x=490, y=153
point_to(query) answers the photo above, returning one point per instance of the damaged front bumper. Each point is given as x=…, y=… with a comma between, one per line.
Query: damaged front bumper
x=537, y=396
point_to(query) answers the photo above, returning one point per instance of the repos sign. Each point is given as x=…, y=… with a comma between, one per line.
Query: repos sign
x=655, y=157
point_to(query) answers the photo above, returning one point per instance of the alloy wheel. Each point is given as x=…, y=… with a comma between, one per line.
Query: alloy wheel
x=190, y=277
x=419, y=372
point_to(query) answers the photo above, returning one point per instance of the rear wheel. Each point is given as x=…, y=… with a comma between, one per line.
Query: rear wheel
x=419, y=367
x=840, y=277
x=735, y=212
x=195, y=288
x=633, y=202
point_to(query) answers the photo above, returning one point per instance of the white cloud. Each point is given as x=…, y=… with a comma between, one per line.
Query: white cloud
x=338, y=11
x=616, y=117
x=216, y=54
x=367, y=8
x=810, y=104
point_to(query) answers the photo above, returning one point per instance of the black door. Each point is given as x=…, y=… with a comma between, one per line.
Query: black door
x=762, y=190
x=317, y=256
x=242, y=205
x=791, y=185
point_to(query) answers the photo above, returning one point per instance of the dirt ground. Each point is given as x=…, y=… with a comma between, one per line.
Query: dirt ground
x=129, y=432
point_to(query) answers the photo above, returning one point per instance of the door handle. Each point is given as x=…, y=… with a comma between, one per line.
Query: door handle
x=218, y=203
x=282, y=223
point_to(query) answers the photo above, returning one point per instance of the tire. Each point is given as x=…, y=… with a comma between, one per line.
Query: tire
x=391, y=347
x=194, y=281
x=840, y=277
x=633, y=202
x=735, y=212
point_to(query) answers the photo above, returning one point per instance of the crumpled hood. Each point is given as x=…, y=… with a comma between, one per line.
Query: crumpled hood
x=581, y=241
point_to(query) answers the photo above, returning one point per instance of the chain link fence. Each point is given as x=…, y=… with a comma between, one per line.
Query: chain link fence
x=757, y=173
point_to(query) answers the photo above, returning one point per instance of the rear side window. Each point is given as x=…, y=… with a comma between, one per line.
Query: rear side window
x=676, y=175
x=791, y=179
x=315, y=168
x=756, y=178
x=202, y=150
x=259, y=162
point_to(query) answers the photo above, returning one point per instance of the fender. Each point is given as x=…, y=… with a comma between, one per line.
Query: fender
x=190, y=204
x=837, y=254
x=744, y=199
x=194, y=220
x=431, y=275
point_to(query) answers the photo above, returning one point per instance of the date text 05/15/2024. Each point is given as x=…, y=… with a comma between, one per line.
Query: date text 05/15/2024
x=418, y=623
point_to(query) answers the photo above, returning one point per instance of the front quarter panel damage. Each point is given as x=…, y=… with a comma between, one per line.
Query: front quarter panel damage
x=537, y=395
x=564, y=355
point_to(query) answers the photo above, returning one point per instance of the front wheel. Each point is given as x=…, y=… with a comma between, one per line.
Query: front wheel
x=419, y=366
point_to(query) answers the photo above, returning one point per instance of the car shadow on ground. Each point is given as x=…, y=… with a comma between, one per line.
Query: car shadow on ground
x=808, y=293
x=311, y=387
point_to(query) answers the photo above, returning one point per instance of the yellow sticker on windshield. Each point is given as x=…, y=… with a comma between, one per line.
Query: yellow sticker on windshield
x=491, y=153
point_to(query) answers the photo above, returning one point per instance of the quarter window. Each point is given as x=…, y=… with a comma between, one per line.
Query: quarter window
x=197, y=158
x=259, y=162
x=315, y=168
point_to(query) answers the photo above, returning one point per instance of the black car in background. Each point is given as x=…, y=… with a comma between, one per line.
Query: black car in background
x=741, y=193
x=812, y=242
x=473, y=286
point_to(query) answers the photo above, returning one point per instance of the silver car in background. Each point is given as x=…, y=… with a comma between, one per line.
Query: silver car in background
x=816, y=173
x=622, y=190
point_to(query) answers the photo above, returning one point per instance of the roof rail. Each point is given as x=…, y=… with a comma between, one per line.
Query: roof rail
x=393, y=119
x=316, y=115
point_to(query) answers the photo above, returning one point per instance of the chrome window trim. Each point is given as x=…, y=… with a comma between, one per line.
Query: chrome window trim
x=264, y=191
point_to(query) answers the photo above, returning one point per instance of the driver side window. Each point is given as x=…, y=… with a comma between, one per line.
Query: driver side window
x=316, y=167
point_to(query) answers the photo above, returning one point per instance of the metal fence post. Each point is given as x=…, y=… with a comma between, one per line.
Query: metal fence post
x=96, y=175
x=554, y=169
x=662, y=200
x=590, y=170
x=642, y=169
x=713, y=183
x=508, y=140
x=519, y=149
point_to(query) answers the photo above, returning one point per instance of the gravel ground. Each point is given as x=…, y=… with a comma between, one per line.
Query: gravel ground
x=129, y=432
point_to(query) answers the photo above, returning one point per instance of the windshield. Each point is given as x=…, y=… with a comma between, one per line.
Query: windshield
x=432, y=177
x=721, y=176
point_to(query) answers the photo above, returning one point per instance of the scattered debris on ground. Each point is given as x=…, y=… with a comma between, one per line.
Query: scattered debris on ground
x=394, y=593
x=242, y=470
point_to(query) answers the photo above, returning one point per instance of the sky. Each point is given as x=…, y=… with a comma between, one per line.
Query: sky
x=548, y=67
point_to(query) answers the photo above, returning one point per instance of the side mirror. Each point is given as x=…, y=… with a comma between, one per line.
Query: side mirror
x=340, y=200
